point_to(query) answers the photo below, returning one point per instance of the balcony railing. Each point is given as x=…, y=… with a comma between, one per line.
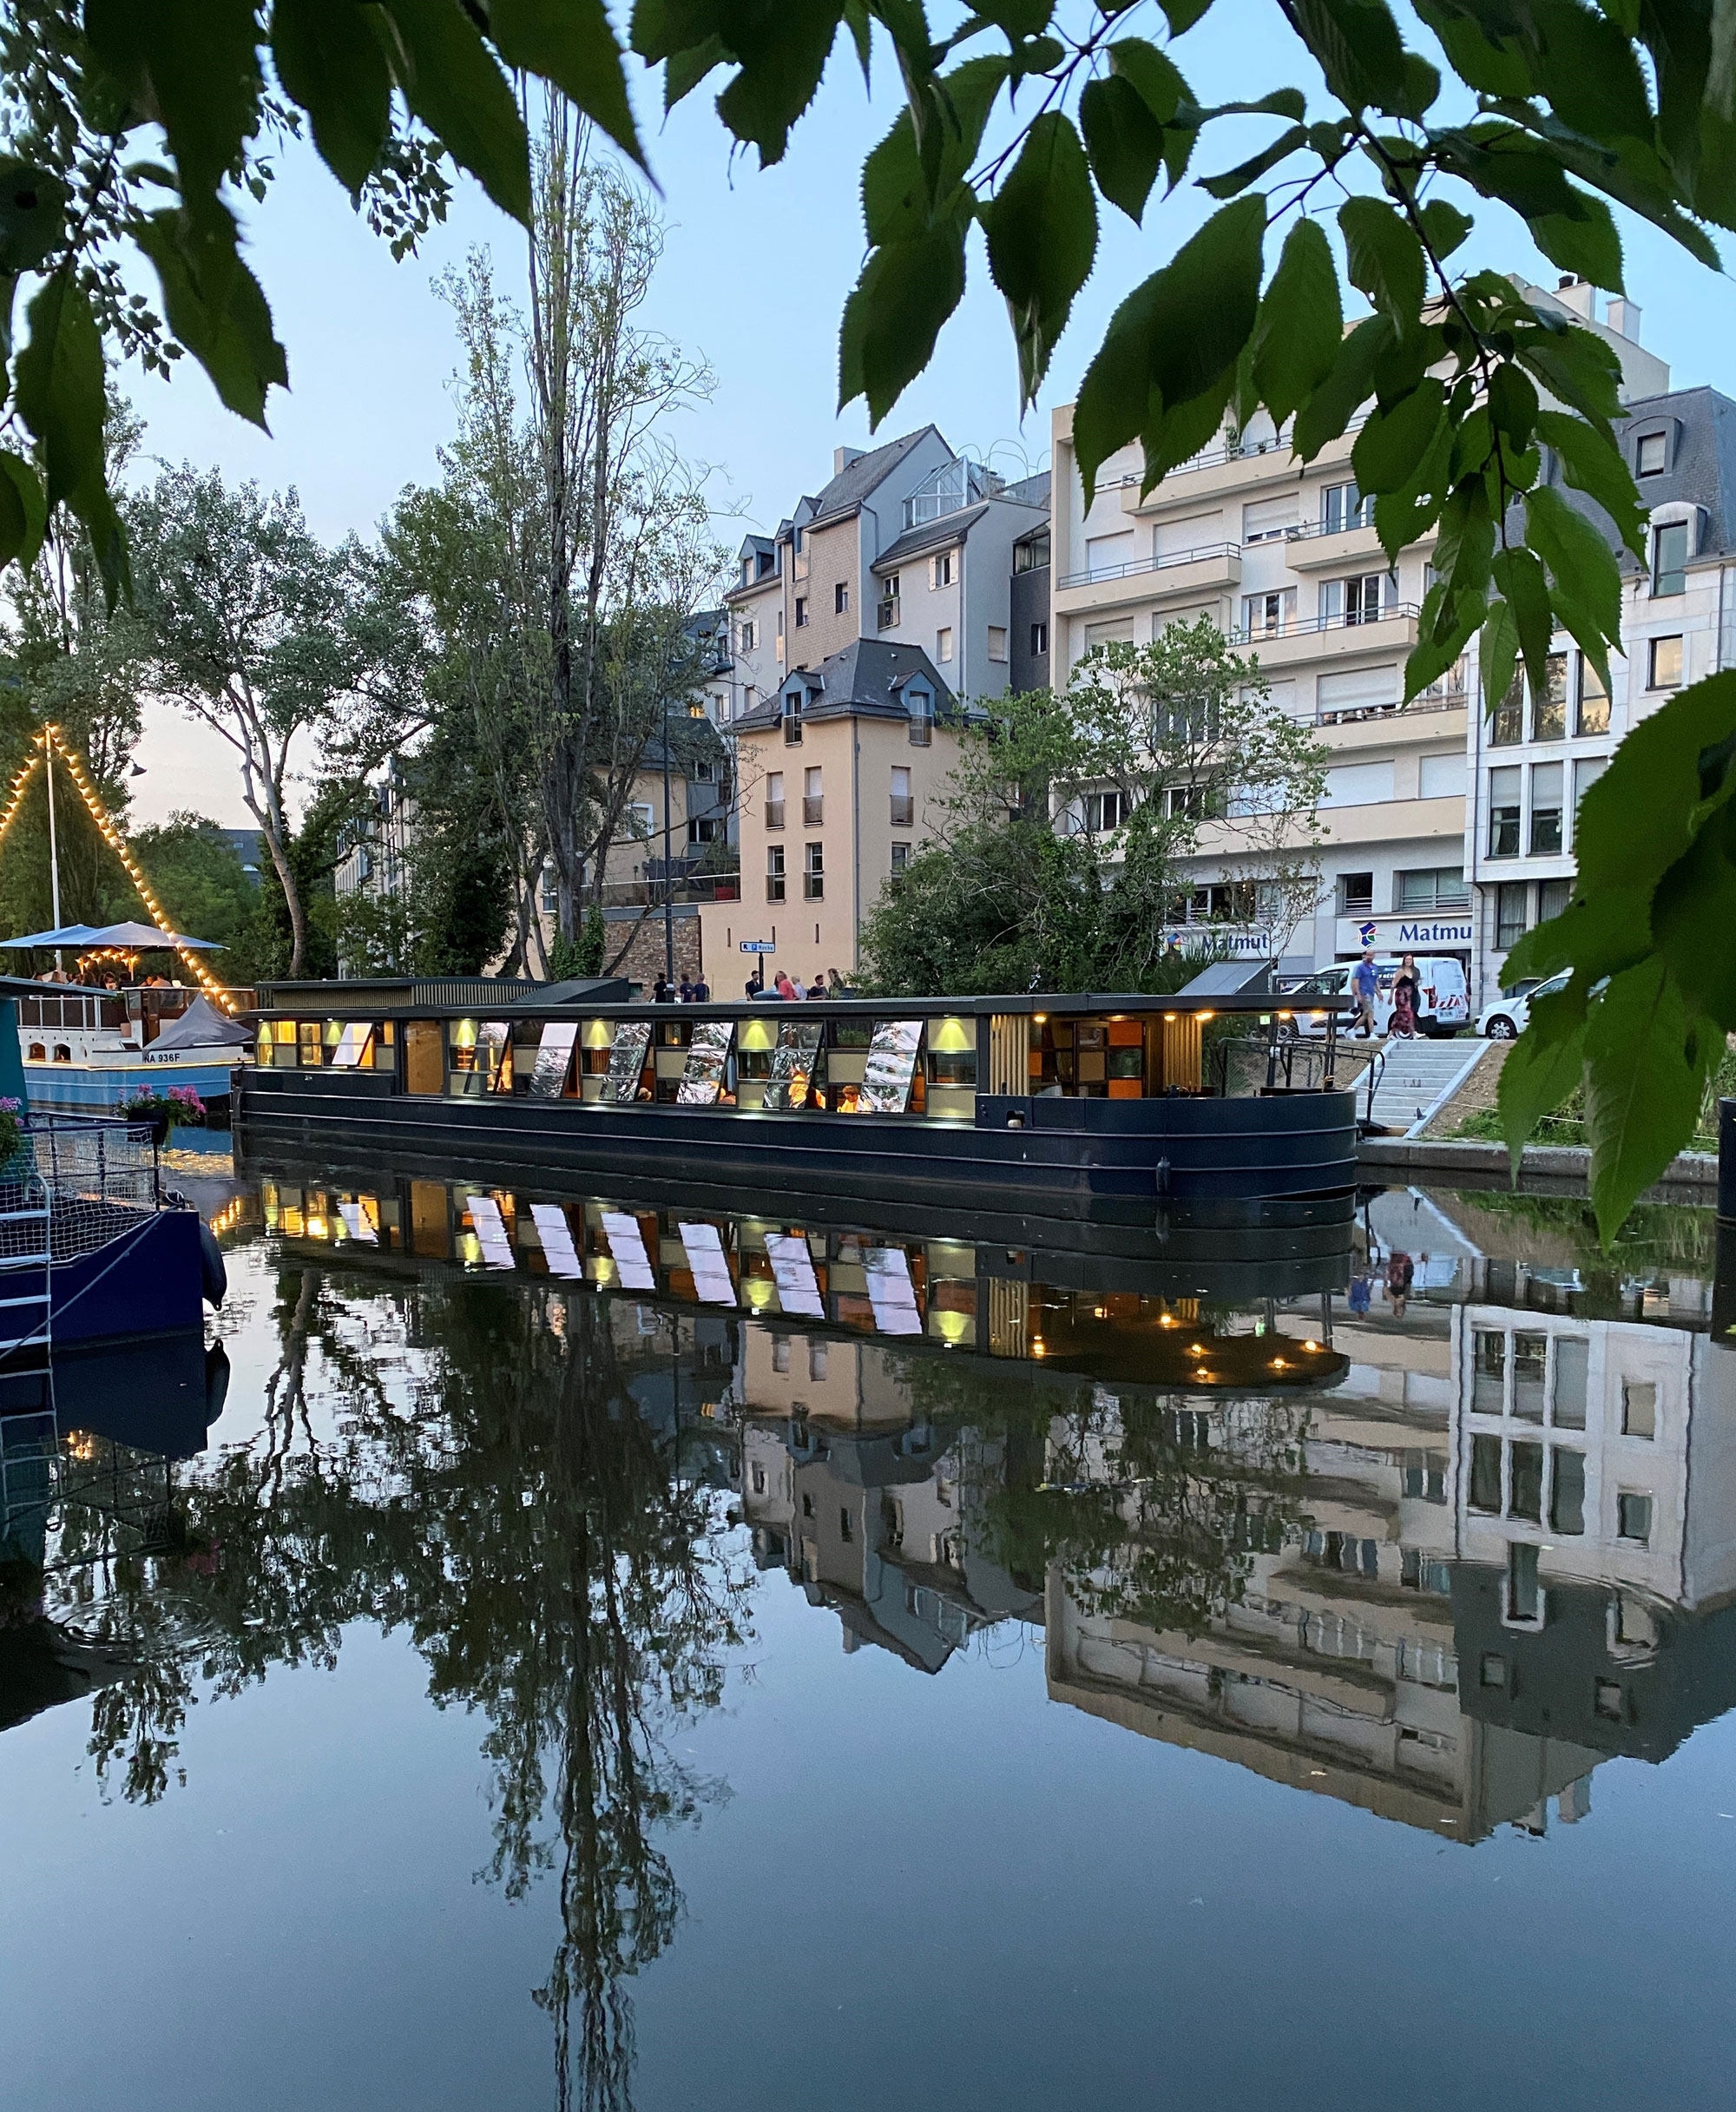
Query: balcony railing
x=775, y=887
x=903, y=810
x=1234, y=451
x=813, y=810
x=813, y=886
x=792, y=731
x=774, y=813
x=922, y=733
x=1135, y=565
x=1394, y=612
x=886, y=613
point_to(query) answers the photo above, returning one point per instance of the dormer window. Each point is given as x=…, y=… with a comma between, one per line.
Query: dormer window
x=765, y=562
x=1652, y=454
x=793, y=718
x=1669, y=557
x=921, y=707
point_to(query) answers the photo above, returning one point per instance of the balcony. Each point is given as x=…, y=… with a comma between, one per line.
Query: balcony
x=1307, y=639
x=903, y=811
x=774, y=813
x=886, y=613
x=1177, y=575
x=1238, y=465
x=813, y=810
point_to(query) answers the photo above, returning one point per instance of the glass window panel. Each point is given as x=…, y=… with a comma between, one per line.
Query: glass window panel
x=1489, y=1389
x=1639, y=1408
x=1485, y=1474
x=1567, y=1492
x=1525, y=1488
x=1530, y=1353
x=1573, y=1357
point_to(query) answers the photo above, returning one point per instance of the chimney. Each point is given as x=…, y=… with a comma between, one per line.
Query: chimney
x=842, y=457
x=1623, y=317
x=1577, y=294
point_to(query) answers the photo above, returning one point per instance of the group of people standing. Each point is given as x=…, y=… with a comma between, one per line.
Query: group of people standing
x=790, y=990
x=697, y=990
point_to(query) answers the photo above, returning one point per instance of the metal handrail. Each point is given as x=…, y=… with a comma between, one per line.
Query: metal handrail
x=1135, y=565
x=1394, y=612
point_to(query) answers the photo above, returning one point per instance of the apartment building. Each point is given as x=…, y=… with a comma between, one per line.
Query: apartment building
x=1284, y=558
x=1533, y=759
x=881, y=607
x=840, y=769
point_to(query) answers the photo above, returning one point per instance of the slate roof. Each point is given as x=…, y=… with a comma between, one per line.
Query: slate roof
x=857, y=479
x=1701, y=472
x=931, y=535
x=866, y=679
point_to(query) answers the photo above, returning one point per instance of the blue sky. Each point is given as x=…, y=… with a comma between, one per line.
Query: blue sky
x=758, y=266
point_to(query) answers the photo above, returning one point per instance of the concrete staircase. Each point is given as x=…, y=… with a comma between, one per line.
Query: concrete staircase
x=1418, y=1076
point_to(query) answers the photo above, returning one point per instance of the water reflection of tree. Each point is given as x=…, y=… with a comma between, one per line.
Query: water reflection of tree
x=1118, y=1489
x=506, y=1502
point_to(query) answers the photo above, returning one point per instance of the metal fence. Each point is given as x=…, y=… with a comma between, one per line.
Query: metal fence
x=73, y=1184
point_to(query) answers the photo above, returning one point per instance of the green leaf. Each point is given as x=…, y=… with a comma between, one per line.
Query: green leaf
x=1042, y=228
x=1646, y=1057
x=1385, y=260
x=783, y=51
x=1585, y=241
x=449, y=79
x=1596, y=935
x=1174, y=339
x=1017, y=18
x=193, y=65
x=1393, y=443
x=570, y=44
x=1583, y=565
x=1693, y=914
x=1181, y=15
x=329, y=62
x=1595, y=465
x=1642, y=813
x=214, y=306
x=1359, y=48
x=32, y=215
x=684, y=70
x=59, y=384
x=1519, y=574
x=1513, y=404
x=1447, y=228
x=1542, y=1068
x=1328, y=410
x=1124, y=140
x=94, y=505
x=1464, y=548
x=1301, y=323
x=1497, y=652
x=1255, y=167
x=1150, y=75
x=23, y=510
x=898, y=203
x=906, y=292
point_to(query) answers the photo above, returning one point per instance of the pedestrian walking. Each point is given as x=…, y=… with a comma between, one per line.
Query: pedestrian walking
x=1406, y=991
x=1365, y=981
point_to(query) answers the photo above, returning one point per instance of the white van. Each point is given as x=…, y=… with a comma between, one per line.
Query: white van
x=1443, y=1005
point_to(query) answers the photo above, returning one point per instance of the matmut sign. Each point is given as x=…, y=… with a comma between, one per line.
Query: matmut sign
x=1404, y=934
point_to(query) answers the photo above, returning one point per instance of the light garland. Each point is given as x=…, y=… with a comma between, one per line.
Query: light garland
x=49, y=739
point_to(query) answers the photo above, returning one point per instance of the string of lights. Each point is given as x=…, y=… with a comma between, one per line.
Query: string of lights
x=49, y=739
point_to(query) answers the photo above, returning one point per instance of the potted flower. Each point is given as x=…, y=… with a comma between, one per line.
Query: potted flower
x=180, y=1106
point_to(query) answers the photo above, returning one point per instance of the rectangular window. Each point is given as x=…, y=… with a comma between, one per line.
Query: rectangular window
x=1358, y=600
x=943, y=644
x=1549, y=711
x=1356, y=894
x=1485, y=1474
x=1545, y=810
x=1573, y=1356
x=1441, y=888
x=1503, y=813
x=1531, y=1354
x=774, y=873
x=1567, y=1491
x=940, y=570
x=1104, y=811
x=1039, y=644
x=1652, y=454
x=1268, y=520
x=793, y=718
x=750, y=636
x=1507, y=721
x=997, y=642
x=1524, y=1602
x=1441, y=777
x=1343, y=506
x=1489, y=1373
x=1633, y=1517
x=901, y=857
x=801, y=611
x=1669, y=559
x=1269, y=615
x=813, y=804
x=902, y=803
x=813, y=872
x=1525, y=1489
x=840, y=599
x=1639, y=1408
x=1510, y=907
x=774, y=799
x=1552, y=897
x=1664, y=663
x=1594, y=701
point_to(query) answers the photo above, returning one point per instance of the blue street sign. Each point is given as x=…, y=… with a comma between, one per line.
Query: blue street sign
x=758, y=945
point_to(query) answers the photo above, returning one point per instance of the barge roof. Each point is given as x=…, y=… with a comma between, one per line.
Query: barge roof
x=402, y=998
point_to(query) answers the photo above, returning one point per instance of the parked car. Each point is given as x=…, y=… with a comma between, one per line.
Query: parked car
x=1443, y=1005
x=1504, y=1020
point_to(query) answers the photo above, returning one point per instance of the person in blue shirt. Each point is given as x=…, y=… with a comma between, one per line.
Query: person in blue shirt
x=1365, y=981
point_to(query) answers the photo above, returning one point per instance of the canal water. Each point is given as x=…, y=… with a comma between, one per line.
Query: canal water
x=607, y=1652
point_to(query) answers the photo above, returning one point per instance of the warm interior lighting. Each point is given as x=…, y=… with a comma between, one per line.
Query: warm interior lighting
x=1311, y=1343
x=1203, y=1017
x=1165, y=1319
x=1284, y=1015
x=1169, y=1015
x=1277, y=1364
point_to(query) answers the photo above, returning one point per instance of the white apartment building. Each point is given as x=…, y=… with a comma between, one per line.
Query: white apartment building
x=1285, y=558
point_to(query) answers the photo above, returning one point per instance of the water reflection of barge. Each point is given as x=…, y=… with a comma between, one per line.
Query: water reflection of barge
x=1081, y=1106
